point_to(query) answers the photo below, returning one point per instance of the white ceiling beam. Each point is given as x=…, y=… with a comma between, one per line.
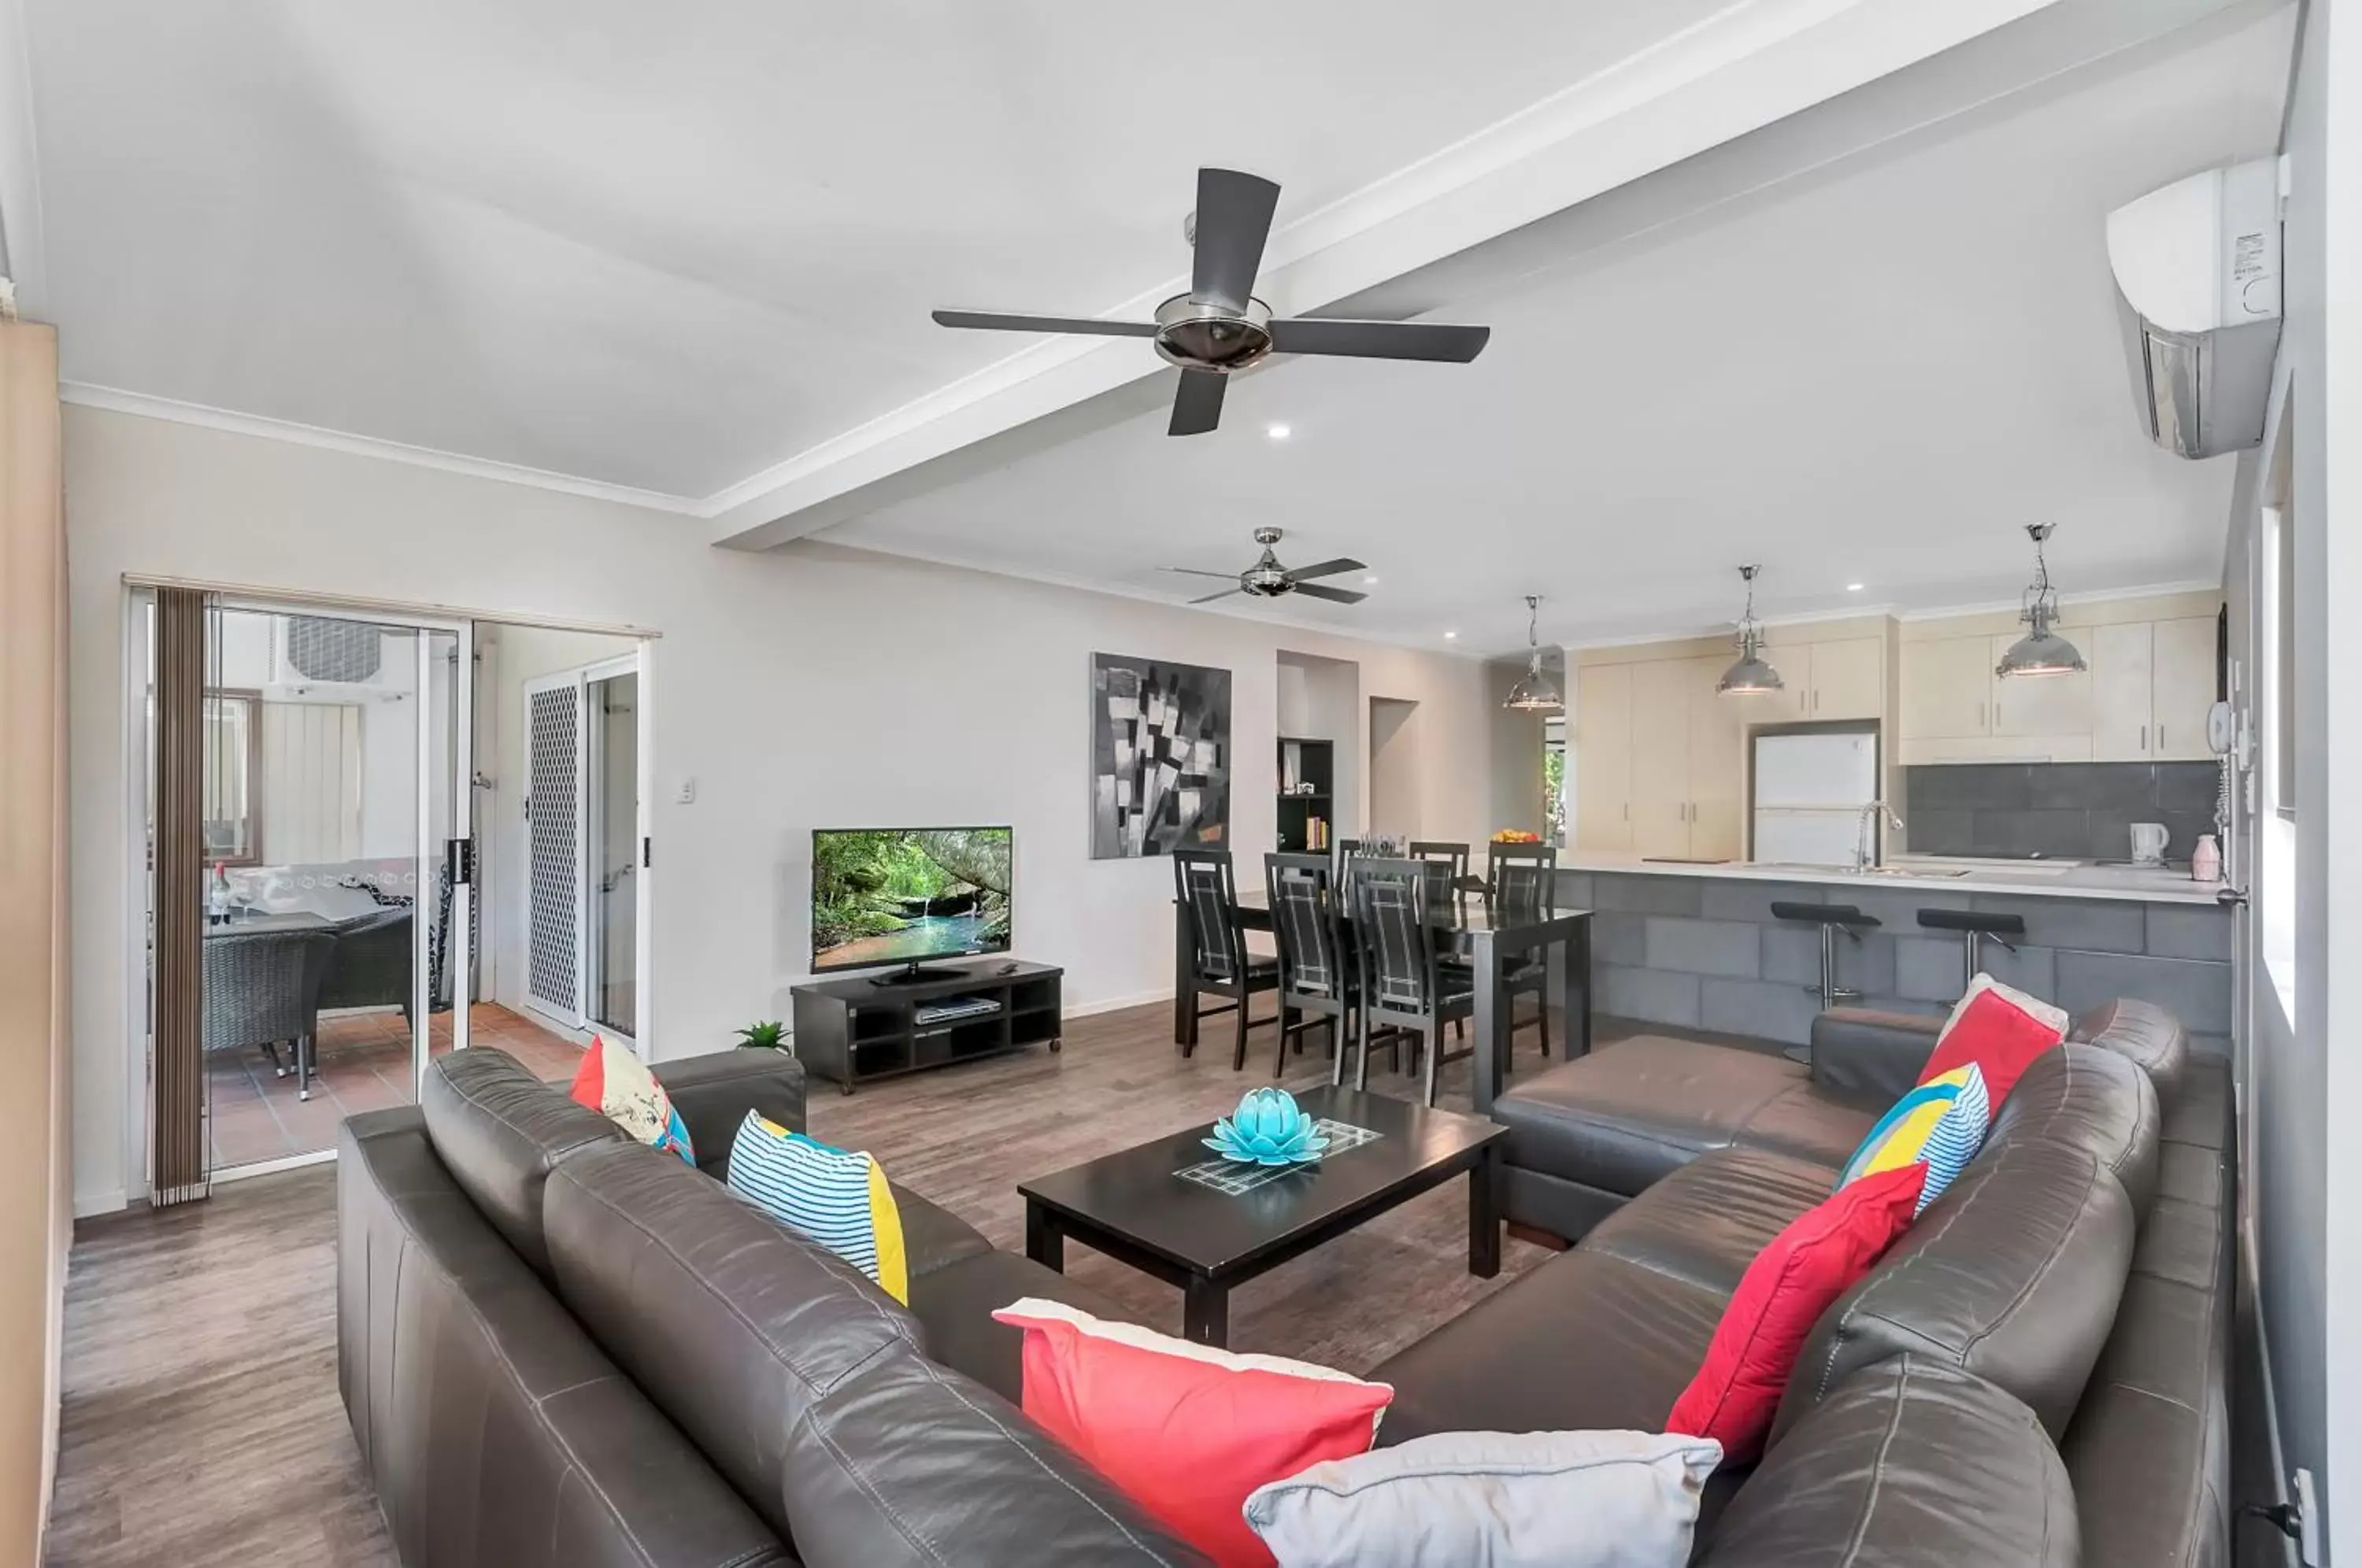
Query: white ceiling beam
x=1754, y=62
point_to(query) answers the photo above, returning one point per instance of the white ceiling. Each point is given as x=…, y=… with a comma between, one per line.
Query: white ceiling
x=665, y=248
x=1876, y=379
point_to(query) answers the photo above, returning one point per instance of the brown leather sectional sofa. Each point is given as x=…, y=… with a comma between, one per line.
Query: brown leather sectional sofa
x=559, y=1347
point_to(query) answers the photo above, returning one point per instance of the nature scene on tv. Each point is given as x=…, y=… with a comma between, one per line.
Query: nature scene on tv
x=895, y=895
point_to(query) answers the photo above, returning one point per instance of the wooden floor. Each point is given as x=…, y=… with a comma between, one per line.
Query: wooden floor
x=202, y=1421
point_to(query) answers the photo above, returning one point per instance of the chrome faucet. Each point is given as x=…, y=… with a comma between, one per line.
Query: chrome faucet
x=1865, y=838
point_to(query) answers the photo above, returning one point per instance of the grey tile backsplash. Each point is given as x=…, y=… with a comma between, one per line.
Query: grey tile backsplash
x=2069, y=811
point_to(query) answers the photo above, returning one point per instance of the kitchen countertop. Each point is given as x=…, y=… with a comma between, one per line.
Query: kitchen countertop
x=2039, y=878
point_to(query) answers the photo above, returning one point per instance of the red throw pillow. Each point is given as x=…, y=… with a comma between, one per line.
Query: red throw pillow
x=1186, y=1430
x=2001, y=1031
x=1784, y=1293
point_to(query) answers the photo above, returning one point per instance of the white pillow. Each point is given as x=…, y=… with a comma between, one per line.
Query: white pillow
x=1503, y=1499
x=2055, y=1016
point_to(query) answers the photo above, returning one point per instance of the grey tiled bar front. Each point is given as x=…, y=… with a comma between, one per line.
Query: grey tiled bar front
x=1699, y=952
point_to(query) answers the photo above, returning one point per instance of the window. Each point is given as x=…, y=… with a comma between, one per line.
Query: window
x=233, y=777
x=2276, y=716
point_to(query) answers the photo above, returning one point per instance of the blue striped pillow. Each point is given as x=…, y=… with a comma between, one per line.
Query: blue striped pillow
x=1941, y=1124
x=834, y=1198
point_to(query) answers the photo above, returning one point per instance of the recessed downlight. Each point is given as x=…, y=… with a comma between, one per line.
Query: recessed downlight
x=1853, y=587
x=1449, y=636
x=1369, y=582
x=1278, y=432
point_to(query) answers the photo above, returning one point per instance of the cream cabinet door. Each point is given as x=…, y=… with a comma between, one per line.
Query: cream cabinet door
x=1948, y=687
x=1601, y=734
x=2030, y=705
x=2182, y=688
x=1717, y=745
x=1660, y=757
x=1847, y=679
x=2119, y=657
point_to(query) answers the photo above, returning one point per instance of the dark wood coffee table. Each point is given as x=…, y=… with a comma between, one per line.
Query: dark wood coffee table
x=1136, y=1206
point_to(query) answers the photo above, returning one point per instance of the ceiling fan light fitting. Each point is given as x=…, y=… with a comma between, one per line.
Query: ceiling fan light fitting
x=1210, y=336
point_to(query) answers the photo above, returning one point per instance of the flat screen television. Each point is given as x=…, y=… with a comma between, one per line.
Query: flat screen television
x=905, y=894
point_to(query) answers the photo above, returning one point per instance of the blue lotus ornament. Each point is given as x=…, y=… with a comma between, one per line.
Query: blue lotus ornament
x=1267, y=1129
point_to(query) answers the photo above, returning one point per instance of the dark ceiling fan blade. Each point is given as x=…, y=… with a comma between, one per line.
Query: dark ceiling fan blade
x=1193, y=572
x=1379, y=339
x=1211, y=597
x=1197, y=403
x=1326, y=569
x=1233, y=220
x=1334, y=595
x=1002, y=321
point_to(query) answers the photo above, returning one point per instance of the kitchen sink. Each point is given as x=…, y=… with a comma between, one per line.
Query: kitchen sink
x=1929, y=872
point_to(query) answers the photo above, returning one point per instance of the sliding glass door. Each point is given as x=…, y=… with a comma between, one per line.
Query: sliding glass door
x=586, y=847
x=332, y=897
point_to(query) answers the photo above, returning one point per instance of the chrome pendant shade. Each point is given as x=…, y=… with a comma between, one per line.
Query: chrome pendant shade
x=1533, y=694
x=2041, y=651
x=1749, y=675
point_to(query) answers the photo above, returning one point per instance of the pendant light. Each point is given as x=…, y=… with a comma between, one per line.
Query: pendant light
x=2041, y=651
x=1533, y=694
x=1750, y=676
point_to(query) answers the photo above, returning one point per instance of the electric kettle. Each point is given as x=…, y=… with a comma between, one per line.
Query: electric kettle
x=2148, y=844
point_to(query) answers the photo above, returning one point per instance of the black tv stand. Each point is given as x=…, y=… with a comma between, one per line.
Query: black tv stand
x=915, y=973
x=854, y=1030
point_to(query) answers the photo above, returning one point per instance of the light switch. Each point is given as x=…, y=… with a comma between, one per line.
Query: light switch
x=687, y=794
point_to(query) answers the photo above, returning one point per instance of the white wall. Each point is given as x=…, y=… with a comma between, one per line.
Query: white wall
x=812, y=687
x=1320, y=699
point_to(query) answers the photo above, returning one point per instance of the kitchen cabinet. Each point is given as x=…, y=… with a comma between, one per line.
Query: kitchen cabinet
x=2144, y=698
x=1658, y=760
x=2027, y=705
x=1601, y=735
x=2122, y=676
x=2182, y=688
x=1846, y=679
x=1947, y=689
x=1717, y=762
x=1660, y=757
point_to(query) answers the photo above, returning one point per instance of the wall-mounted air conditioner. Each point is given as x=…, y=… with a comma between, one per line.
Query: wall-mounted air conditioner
x=2198, y=273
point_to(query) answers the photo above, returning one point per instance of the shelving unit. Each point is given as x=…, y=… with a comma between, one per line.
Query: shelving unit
x=1308, y=778
x=854, y=1031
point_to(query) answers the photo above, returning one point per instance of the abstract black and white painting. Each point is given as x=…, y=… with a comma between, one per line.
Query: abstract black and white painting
x=1160, y=757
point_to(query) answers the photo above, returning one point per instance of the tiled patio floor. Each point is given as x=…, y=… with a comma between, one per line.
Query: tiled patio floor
x=363, y=1064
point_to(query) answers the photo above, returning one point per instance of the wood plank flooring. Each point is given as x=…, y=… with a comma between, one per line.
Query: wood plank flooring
x=203, y=1424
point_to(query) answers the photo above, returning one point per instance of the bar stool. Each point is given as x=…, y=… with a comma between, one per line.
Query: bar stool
x=1974, y=926
x=1831, y=919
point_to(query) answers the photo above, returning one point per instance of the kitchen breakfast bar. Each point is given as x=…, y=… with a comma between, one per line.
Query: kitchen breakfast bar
x=1698, y=946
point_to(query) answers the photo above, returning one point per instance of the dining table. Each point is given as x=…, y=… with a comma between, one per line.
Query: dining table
x=253, y=920
x=1489, y=936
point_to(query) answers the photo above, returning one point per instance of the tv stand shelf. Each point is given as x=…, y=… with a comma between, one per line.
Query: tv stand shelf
x=855, y=1029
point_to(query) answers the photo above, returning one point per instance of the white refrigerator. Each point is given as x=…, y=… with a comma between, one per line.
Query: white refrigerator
x=1810, y=791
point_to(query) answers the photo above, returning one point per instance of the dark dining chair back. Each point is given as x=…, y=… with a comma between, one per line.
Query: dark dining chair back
x=1522, y=875
x=1307, y=924
x=1404, y=987
x=260, y=988
x=370, y=964
x=1450, y=861
x=1203, y=881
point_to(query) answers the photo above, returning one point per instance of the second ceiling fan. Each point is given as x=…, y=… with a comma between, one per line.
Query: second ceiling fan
x=1219, y=326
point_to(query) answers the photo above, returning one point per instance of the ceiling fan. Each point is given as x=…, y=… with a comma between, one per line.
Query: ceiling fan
x=1219, y=326
x=1269, y=579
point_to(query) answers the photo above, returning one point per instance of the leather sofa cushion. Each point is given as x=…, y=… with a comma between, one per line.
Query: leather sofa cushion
x=1628, y=1114
x=734, y=1325
x=1706, y=1222
x=2203, y=1112
x=954, y=1305
x=807, y=1388
x=1869, y=1052
x=933, y=1236
x=491, y=1427
x=2149, y=1448
x=500, y=1132
x=715, y=1092
x=1907, y=1462
x=2012, y=1274
x=2087, y=1098
x=2145, y=1035
x=1587, y=1341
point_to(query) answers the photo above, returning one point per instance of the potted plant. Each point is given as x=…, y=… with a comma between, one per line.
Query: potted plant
x=771, y=1035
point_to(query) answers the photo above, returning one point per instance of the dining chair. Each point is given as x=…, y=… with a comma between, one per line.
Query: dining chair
x=1524, y=877
x=1219, y=963
x=1404, y=990
x=263, y=987
x=370, y=964
x=1316, y=974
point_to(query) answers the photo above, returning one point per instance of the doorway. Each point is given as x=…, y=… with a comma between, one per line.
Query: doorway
x=1395, y=804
